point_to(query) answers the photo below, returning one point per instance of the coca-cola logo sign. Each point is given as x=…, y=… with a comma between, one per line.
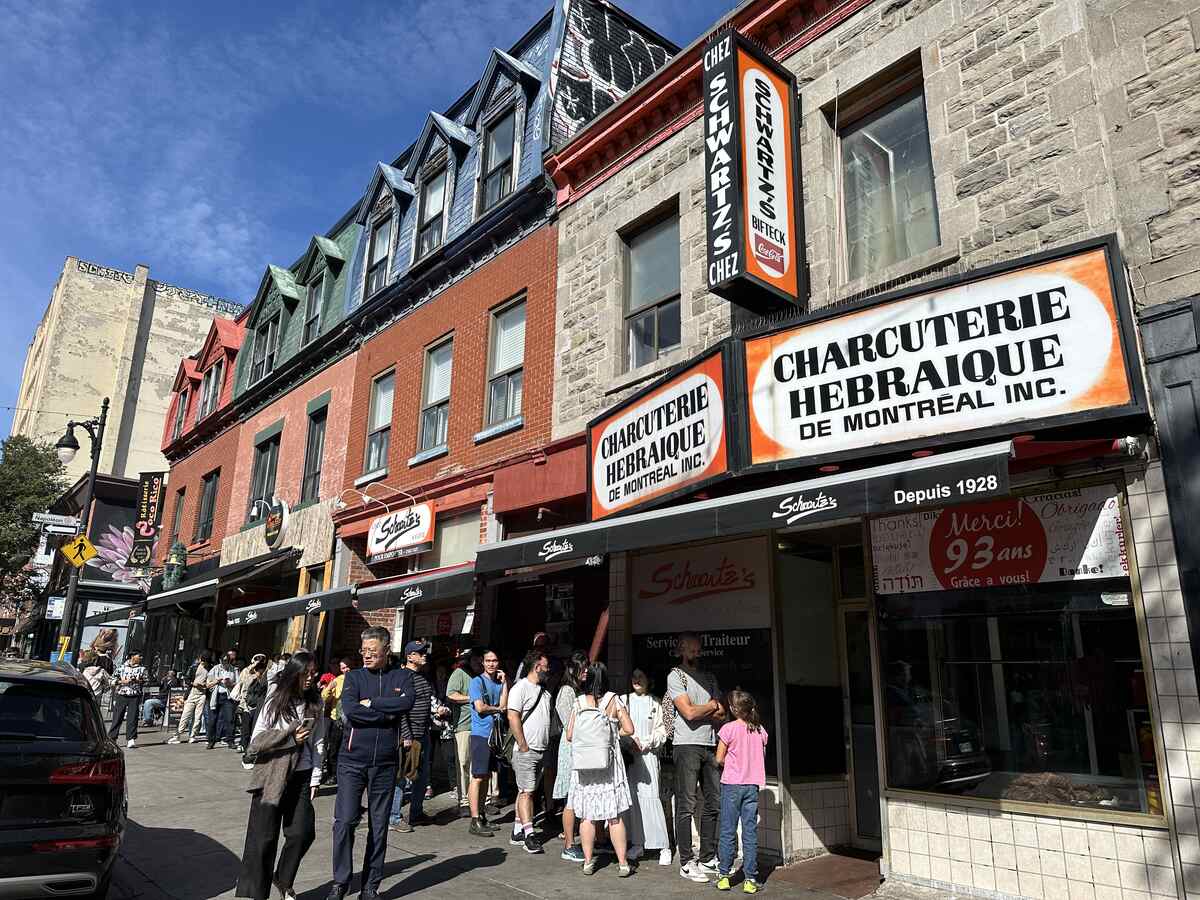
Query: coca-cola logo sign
x=403, y=532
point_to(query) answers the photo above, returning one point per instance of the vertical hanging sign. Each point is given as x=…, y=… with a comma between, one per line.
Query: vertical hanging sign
x=148, y=521
x=752, y=172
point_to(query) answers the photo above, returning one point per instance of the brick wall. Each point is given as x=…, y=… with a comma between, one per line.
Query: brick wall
x=463, y=309
x=187, y=474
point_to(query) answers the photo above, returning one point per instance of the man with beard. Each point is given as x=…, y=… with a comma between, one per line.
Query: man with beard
x=529, y=724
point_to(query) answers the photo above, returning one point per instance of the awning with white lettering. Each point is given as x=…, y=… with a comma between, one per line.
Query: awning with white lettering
x=305, y=604
x=977, y=473
x=420, y=587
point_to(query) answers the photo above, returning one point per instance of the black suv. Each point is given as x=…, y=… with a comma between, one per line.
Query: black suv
x=63, y=800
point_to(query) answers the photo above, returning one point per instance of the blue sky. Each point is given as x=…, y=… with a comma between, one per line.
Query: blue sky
x=209, y=139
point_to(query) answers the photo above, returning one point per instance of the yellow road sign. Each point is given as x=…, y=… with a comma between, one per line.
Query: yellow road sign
x=78, y=551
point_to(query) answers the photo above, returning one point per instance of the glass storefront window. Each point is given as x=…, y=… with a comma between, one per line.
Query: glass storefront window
x=1033, y=694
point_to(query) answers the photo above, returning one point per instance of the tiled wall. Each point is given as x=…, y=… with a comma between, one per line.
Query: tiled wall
x=990, y=853
x=820, y=817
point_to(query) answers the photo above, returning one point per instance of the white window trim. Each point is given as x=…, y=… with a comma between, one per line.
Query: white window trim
x=372, y=224
x=371, y=416
x=518, y=108
x=324, y=273
x=489, y=376
x=428, y=353
x=447, y=204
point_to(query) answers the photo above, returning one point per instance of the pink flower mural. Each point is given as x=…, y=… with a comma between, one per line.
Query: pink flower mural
x=112, y=556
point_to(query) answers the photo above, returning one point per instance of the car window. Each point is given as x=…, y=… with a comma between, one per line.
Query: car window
x=45, y=712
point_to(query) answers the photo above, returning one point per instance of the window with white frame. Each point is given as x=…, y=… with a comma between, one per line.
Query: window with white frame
x=313, y=303
x=888, y=201
x=652, y=313
x=181, y=402
x=506, y=371
x=379, y=424
x=377, y=255
x=435, y=406
x=266, y=348
x=498, y=148
x=210, y=388
x=431, y=215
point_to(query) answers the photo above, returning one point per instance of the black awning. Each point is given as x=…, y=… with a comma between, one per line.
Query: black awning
x=113, y=616
x=205, y=587
x=976, y=473
x=317, y=602
x=421, y=587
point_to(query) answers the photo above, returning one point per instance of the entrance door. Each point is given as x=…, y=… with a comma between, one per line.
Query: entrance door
x=859, y=703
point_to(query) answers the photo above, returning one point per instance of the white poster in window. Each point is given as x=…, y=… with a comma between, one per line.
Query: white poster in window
x=1072, y=535
x=702, y=588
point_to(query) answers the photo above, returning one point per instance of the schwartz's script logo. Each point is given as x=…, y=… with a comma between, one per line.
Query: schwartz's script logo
x=397, y=527
x=553, y=549
x=797, y=506
x=251, y=617
x=671, y=577
x=415, y=592
x=313, y=605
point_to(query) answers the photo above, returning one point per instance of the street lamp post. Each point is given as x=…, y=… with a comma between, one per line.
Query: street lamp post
x=67, y=447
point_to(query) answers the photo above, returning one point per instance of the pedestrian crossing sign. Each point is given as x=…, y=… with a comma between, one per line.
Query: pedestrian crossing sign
x=78, y=551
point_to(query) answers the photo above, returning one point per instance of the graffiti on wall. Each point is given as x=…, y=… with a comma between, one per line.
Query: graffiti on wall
x=599, y=61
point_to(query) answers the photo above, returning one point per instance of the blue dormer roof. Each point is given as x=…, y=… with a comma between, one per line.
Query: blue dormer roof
x=517, y=70
x=396, y=182
x=437, y=125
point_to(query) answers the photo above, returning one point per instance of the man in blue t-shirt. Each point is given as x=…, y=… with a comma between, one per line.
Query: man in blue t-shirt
x=489, y=698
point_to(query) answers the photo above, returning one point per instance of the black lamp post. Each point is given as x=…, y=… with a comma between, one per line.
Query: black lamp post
x=67, y=447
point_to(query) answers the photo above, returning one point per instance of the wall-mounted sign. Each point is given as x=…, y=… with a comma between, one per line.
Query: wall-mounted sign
x=52, y=519
x=702, y=587
x=665, y=439
x=276, y=523
x=55, y=606
x=1073, y=535
x=404, y=532
x=752, y=170
x=147, y=520
x=1041, y=342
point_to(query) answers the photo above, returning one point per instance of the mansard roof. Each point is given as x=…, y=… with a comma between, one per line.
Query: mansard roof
x=319, y=246
x=451, y=133
x=188, y=372
x=394, y=179
x=222, y=333
x=500, y=61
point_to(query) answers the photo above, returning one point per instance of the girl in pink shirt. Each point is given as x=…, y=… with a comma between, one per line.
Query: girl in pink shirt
x=741, y=750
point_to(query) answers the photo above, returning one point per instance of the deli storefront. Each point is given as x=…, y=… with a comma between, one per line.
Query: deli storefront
x=918, y=530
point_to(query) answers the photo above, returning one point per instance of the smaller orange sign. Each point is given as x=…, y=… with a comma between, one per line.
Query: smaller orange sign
x=672, y=437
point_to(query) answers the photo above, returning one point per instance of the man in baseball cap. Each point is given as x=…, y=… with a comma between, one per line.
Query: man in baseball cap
x=418, y=748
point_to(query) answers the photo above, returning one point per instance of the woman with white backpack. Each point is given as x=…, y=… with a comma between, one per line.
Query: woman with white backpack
x=599, y=784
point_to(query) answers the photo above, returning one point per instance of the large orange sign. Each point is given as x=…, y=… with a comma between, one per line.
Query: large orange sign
x=1036, y=343
x=670, y=438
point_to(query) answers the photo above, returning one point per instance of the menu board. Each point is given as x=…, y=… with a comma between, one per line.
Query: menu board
x=1072, y=535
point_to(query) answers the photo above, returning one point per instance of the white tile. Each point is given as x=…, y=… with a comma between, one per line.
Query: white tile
x=1075, y=840
x=939, y=869
x=1004, y=856
x=1053, y=863
x=1049, y=836
x=1134, y=876
x=1191, y=734
x=1107, y=892
x=917, y=818
x=1158, y=850
x=960, y=873
x=1173, y=736
x=1028, y=859
x=900, y=862
x=918, y=842
x=979, y=827
x=1079, y=867
x=956, y=823
x=1164, y=551
x=1025, y=831
x=1187, y=682
x=1158, y=503
x=1055, y=888
x=1104, y=871
x=1162, y=879
x=1031, y=885
x=1134, y=895
x=1002, y=831
x=1172, y=603
x=1153, y=603
x=1081, y=890
x=920, y=865
x=1156, y=630
x=1193, y=764
x=1189, y=848
x=935, y=819
x=1185, y=820
x=1170, y=709
x=1181, y=791
x=939, y=845
x=1007, y=883
x=1146, y=555
x=981, y=853
x=1191, y=878
x=960, y=848
x=899, y=838
x=1130, y=846
x=1177, y=628
x=983, y=878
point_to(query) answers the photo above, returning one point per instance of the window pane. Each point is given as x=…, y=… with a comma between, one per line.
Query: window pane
x=435, y=196
x=381, y=402
x=516, y=384
x=500, y=142
x=380, y=240
x=890, y=205
x=654, y=264
x=433, y=426
x=314, y=297
x=498, y=401
x=1035, y=694
x=377, y=449
x=508, y=336
x=668, y=326
x=437, y=381
x=641, y=339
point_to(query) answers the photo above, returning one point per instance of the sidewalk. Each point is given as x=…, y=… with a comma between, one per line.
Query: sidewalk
x=187, y=820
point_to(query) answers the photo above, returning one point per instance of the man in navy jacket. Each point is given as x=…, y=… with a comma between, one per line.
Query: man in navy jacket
x=374, y=700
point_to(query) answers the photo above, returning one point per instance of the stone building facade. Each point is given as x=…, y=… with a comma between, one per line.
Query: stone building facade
x=1047, y=123
x=109, y=333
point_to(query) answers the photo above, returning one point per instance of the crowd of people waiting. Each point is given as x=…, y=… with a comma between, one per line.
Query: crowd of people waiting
x=612, y=767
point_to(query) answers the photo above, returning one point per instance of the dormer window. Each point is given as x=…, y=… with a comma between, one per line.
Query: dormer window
x=180, y=414
x=498, y=145
x=210, y=388
x=312, y=307
x=432, y=213
x=266, y=347
x=381, y=241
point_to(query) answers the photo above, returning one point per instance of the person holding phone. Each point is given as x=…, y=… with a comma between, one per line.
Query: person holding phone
x=287, y=773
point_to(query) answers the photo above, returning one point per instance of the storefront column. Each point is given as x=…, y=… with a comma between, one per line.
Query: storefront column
x=619, y=649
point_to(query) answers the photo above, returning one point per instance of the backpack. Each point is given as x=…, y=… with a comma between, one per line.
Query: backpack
x=254, y=693
x=668, y=707
x=591, y=741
